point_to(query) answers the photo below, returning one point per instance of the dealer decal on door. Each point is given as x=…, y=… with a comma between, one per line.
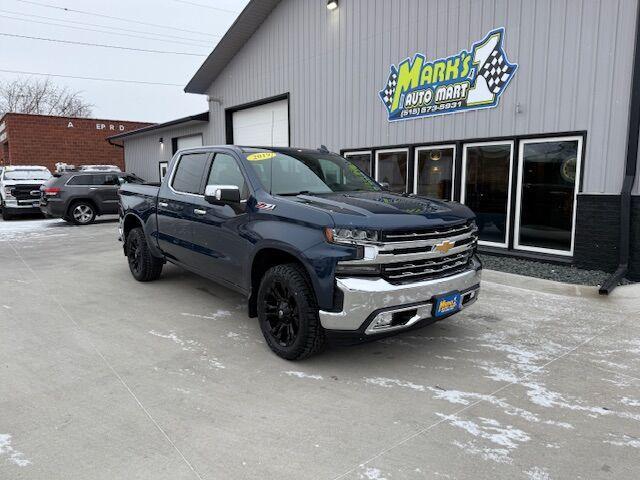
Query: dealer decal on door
x=469, y=80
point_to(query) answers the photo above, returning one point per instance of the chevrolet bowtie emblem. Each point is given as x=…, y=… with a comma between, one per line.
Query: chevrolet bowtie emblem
x=443, y=247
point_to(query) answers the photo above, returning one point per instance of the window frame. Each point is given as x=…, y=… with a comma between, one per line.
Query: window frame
x=348, y=153
x=211, y=161
x=417, y=150
x=463, y=190
x=518, y=204
x=393, y=150
x=208, y=156
x=67, y=184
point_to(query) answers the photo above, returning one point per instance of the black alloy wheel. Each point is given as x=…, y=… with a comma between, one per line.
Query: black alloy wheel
x=288, y=313
x=143, y=265
x=282, y=314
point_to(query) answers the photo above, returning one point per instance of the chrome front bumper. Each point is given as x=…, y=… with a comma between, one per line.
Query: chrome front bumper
x=367, y=300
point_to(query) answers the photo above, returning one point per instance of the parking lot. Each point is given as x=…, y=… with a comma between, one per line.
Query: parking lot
x=104, y=377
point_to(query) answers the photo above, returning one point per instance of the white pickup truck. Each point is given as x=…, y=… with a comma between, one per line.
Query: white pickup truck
x=20, y=189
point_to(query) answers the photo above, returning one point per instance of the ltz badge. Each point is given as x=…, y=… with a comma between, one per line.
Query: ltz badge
x=469, y=80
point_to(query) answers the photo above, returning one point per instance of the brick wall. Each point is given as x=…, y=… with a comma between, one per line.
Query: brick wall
x=47, y=140
x=597, y=232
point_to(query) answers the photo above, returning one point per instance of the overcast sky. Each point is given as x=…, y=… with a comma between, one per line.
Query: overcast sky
x=198, y=24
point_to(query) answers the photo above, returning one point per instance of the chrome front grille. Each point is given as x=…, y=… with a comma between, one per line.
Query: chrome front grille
x=425, y=234
x=420, y=270
x=417, y=255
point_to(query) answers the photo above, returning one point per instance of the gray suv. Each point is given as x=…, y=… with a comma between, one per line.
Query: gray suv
x=79, y=197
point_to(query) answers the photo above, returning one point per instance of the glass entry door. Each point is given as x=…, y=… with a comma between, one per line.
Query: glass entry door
x=486, y=188
x=434, y=171
x=549, y=171
x=392, y=168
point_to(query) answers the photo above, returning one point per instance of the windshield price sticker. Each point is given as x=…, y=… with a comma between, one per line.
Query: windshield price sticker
x=256, y=157
x=470, y=80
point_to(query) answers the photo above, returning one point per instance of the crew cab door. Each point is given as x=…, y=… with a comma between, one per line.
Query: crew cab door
x=179, y=196
x=221, y=250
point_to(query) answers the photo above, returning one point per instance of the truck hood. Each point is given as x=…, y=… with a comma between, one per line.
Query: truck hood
x=385, y=210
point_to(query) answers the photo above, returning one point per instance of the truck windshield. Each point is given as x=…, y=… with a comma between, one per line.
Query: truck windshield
x=307, y=172
x=27, y=175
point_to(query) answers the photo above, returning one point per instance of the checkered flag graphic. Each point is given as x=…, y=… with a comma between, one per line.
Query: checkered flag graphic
x=496, y=71
x=387, y=93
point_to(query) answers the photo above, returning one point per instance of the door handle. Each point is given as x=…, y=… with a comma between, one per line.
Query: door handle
x=198, y=211
x=163, y=204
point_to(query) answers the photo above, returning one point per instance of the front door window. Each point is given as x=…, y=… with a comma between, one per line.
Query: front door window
x=486, y=186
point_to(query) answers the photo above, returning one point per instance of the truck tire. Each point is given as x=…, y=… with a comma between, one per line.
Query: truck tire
x=143, y=265
x=6, y=215
x=82, y=213
x=288, y=313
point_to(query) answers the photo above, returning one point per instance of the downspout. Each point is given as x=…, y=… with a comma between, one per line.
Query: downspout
x=630, y=173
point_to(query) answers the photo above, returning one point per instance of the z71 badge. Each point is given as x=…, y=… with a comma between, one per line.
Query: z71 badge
x=265, y=206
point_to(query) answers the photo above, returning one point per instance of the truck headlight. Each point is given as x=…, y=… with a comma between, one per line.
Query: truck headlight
x=7, y=191
x=350, y=236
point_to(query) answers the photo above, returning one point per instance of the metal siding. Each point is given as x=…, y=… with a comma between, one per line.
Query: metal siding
x=142, y=154
x=575, y=64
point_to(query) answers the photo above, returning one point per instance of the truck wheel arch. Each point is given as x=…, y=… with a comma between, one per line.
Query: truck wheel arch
x=130, y=222
x=263, y=260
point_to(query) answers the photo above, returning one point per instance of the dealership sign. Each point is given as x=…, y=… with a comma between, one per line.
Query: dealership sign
x=470, y=80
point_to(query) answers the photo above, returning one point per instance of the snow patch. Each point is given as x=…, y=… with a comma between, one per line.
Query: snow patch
x=190, y=346
x=630, y=402
x=14, y=456
x=214, y=316
x=537, y=473
x=292, y=373
x=372, y=473
x=623, y=441
x=504, y=438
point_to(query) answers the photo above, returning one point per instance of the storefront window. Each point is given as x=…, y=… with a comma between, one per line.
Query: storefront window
x=391, y=168
x=360, y=159
x=434, y=172
x=549, y=170
x=486, y=186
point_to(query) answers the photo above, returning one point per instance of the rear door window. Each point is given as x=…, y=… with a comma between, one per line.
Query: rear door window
x=81, y=180
x=189, y=173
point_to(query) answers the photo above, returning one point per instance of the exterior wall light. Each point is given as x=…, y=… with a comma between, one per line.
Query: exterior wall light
x=161, y=140
x=332, y=4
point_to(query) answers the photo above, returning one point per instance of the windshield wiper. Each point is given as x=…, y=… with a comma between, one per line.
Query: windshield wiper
x=294, y=194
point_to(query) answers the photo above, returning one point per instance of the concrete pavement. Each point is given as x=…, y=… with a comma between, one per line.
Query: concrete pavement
x=102, y=377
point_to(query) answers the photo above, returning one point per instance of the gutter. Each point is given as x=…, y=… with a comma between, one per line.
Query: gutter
x=630, y=173
x=114, y=144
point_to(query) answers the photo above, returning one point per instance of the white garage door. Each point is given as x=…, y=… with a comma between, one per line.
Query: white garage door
x=189, y=142
x=266, y=125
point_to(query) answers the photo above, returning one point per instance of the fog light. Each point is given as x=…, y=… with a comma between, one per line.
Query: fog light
x=384, y=320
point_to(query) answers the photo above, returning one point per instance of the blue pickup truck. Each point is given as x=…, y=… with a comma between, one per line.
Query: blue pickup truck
x=322, y=252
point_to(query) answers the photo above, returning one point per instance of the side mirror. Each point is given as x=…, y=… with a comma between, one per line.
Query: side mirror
x=222, y=194
x=385, y=186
